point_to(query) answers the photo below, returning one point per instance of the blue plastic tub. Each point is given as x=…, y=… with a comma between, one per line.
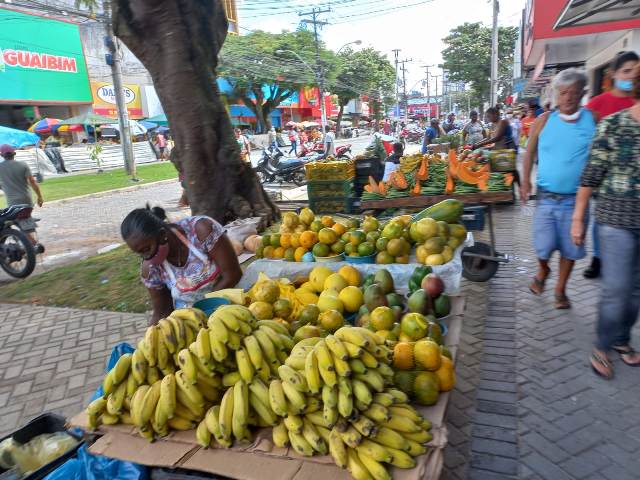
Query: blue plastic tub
x=332, y=259
x=367, y=259
x=473, y=218
x=209, y=305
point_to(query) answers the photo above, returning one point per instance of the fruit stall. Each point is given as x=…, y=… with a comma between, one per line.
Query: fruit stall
x=338, y=374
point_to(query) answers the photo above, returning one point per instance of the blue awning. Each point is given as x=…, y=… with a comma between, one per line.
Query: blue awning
x=17, y=138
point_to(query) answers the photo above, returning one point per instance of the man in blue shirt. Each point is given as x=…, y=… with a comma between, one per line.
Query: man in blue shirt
x=430, y=134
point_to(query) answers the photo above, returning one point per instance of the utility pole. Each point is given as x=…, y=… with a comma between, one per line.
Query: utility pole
x=404, y=88
x=113, y=44
x=493, y=96
x=319, y=69
x=396, y=110
x=426, y=69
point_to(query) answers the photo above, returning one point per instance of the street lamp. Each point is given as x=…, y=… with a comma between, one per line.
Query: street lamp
x=355, y=42
x=318, y=74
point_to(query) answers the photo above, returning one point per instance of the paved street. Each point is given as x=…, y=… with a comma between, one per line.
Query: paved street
x=526, y=404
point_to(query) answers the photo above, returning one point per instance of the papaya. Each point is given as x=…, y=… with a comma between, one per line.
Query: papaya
x=453, y=161
x=417, y=189
x=423, y=171
x=374, y=185
x=450, y=186
x=403, y=356
x=382, y=189
x=426, y=355
x=446, y=375
x=400, y=181
x=426, y=388
x=449, y=210
x=508, y=179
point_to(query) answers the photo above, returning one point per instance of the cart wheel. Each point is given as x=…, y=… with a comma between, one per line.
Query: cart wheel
x=478, y=269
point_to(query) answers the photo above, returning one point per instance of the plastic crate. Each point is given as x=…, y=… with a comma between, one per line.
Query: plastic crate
x=473, y=218
x=329, y=188
x=329, y=204
x=45, y=423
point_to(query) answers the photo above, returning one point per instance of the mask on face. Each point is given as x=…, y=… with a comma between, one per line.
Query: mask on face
x=624, y=85
x=161, y=254
x=570, y=118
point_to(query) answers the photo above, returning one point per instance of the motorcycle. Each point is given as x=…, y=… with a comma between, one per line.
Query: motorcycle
x=271, y=168
x=342, y=151
x=17, y=253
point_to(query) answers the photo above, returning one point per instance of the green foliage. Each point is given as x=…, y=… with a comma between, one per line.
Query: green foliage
x=261, y=58
x=365, y=72
x=467, y=57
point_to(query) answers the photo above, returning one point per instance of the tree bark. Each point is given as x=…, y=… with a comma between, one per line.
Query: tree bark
x=178, y=42
x=339, y=120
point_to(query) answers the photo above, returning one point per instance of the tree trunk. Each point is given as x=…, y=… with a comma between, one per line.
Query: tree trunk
x=178, y=42
x=339, y=121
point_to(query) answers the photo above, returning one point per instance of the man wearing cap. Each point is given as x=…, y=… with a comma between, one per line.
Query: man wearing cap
x=15, y=178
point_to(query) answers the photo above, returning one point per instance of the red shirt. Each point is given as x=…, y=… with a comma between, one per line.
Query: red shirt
x=607, y=104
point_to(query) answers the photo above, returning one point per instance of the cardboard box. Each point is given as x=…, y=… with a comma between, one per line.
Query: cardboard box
x=261, y=459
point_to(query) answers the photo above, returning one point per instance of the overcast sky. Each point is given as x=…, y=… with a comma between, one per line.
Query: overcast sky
x=417, y=30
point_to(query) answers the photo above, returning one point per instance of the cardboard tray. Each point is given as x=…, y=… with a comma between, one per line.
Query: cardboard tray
x=261, y=459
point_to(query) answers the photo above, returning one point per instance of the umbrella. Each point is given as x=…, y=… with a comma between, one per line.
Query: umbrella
x=148, y=125
x=44, y=125
x=159, y=119
x=291, y=124
x=66, y=128
x=17, y=138
x=136, y=127
x=88, y=118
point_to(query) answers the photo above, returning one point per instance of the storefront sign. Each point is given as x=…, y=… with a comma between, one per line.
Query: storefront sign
x=104, y=99
x=41, y=61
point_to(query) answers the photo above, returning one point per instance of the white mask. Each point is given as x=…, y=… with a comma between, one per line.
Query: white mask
x=570, y=118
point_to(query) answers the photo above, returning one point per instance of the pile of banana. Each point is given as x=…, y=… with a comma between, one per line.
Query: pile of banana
x=335, y=395
x=410, y=163
x=181, y=368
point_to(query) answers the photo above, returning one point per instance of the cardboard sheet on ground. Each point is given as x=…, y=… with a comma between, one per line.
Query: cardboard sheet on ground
x=261, y=459
x=450, y=272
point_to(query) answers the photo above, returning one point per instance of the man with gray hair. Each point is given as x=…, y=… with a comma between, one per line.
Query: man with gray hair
x=560, y=139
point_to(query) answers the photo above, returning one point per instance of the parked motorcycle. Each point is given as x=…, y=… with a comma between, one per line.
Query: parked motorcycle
x=273, y=166
x=342, y=151
x=17, y=253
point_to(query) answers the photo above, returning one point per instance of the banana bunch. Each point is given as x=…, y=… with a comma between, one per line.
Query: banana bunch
x=288, y=291
x=410, y=163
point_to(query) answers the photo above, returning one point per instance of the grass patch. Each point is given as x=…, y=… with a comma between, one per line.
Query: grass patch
x=110, y=281
x=76, y=185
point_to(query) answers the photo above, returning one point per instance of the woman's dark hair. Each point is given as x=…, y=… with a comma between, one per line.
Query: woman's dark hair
x=148, y=222
x=493, y=110
x=622, y=58
x=473, y=112
x=398, y=148
x=636, y=82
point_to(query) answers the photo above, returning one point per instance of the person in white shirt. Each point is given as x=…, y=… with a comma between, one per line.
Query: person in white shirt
x=329, y=142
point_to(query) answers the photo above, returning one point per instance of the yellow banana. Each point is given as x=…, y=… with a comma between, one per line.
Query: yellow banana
x=273, y=325
x=317, y=419
x=151, y=344
x=374, y=450
x=280, y=435
x=324, y=433
x=211, y=420
x=226, y=414
x=264, y=372
x=121, y=368
x=277, y=399
x=287, y=341
x=330, y=415
x=230, y=379
x=337, y=348
x=312, y=373
x=203, y=345
x=149, y=403
x=136, y=404
x=139, y=366
x=294, y=423
x=218, y=329
x=314, y=404
x=390, y=438
x=167, y=401
x=159, y=423
x=263, y=411
x=401, y=459
x=197, y=411
x=415, y=448
x=400, y=423
x=245, y=367
x=219, y=349
x=254, y=351
x=374, y=467
x=385, y=370
x=373, y=379
x=288, y=374
x=343, y=369
x=179, y=332
x=97, y=406
x=228, y=318
x=240, y=411
x=108, y=419
x=168, y=335
x=191, y=316
x=182, y=411
x=421, y=437
x=312, y=437
x=383, y=398
x=273, y=336
x=107, y=384
x=351, y=437
x=125, y=418
x=353, y=335
x=399, y=396
x=357, y=366
x=337, y=449
x=153, y=375
x=267, y=347
x=361, y=390
x=356, y=468
x=300, y=444
x=295, y=398
x=116, y=398
x=345, y=403
x=179, y=423
x=377, y=413
x=203, y=435
x=188, y=366
x=406, y=411
x=261, y=391
x=369, y=360
x=189, y=389
x=364, y=425
x=235, y=340
x=191, y=335
x=164, y=358
x=354, y=350
x=325, y=364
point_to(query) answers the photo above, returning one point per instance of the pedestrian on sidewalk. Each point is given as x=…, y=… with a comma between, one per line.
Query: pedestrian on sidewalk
x=181, y=261
x=161, y=143
x=618, y=98
x=243, y=145
x=329, y=143
x=293, y=138
x=560, y=139
x=614, y=171
x=15, y=180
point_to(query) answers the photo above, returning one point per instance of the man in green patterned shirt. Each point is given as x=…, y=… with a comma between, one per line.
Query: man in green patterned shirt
x=614, y=170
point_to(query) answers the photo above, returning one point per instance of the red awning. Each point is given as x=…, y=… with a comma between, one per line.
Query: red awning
x=586, y=12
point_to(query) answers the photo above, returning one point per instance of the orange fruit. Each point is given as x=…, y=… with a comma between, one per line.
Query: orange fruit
x=339, y=228
x=289, y=254
x=321, y=250
x=327, y=236
x=403, y=356
x=299, y=252
x=285, y=240
x=295, y=240
x=327, y=221
x=278, y=252
x=308, y=239
x=268, y=252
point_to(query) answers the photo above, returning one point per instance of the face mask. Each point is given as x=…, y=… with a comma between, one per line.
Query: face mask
x=624, y=85
x=161, y=254
x=570, y=118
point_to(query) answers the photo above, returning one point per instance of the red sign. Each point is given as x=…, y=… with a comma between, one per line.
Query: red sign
x=423, y=109
x=39, y=61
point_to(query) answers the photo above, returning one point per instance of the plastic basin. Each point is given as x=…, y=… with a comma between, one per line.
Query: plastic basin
x=367, y=259
x=210, y=305
x=335, y=258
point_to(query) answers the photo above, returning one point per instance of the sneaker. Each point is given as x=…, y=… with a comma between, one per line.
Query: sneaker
x=594, y=269
x=38, y=248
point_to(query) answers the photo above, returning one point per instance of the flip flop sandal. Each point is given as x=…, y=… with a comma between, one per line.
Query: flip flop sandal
x=623, y=350
x=562, y=302
x=537, y=286
x=602, y=362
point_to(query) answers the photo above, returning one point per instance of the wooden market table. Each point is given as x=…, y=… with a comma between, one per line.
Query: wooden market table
x=418, y=201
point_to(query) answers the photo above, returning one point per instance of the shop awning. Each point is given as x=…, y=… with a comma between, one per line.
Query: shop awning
x=159, y=119
x=17, y=138
x=586, y=12
x=88, y=118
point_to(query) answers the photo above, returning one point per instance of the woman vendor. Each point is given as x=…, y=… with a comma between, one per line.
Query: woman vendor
x=502, y=133
x=181, y=261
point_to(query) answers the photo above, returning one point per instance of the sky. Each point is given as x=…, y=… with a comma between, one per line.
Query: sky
x=415, y=27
